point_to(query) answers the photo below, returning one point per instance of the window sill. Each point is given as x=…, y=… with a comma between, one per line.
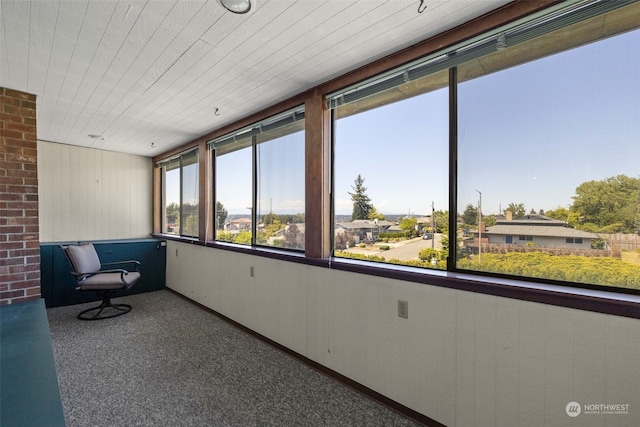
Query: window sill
x=263, y=251
x=176, y=238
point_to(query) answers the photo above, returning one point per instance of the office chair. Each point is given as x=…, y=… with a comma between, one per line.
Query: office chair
x=89, y=275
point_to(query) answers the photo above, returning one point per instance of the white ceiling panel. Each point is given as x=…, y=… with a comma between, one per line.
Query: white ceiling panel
x=79, y=29
x=41, y=30
x=114, y=83
x=158, y=55
x=15, y=32
x=139, y=72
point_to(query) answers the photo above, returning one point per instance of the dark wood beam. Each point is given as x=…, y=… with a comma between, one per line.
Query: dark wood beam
x=318, y=178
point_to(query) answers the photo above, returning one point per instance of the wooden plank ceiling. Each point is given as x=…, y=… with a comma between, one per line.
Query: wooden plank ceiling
x=145, y=73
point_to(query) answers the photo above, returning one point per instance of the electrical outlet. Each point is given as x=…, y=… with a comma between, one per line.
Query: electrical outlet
x=403, y=309
x=252, y=272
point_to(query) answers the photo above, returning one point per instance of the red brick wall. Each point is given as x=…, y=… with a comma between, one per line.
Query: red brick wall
x=19, y=238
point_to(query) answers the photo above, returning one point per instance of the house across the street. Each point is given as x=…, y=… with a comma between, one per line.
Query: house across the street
x=539, y=230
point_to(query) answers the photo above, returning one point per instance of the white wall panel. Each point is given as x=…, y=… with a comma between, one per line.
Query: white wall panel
x=89, y=194
x=461, y=358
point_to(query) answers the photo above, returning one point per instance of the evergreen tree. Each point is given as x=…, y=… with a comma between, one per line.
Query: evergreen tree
x=293, y=239
x=221, y=215
x=470, y=215
x=362, y=206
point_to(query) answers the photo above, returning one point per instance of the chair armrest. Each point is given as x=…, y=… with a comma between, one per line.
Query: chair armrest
x=93, y=273
x=130, y=261
x=113, y=270
x=80, y=274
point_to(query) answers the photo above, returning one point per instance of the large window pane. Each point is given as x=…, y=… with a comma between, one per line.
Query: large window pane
x=259, y=177
x=391, y=175
x=233, y=186
x=180, y=195
x=190, y=205
x=548, y=157
x=171, y=217
x=280, y=190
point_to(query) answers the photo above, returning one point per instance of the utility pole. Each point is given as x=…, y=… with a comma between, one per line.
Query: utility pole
x=433, y=225
x=479, y=228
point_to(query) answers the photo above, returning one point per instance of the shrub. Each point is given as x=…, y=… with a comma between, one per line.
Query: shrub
x=427, y=254
x=396, y=234
x=605, y=271
x=360, y=256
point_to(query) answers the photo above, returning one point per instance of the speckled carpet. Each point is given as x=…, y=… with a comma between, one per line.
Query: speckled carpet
x=170, y=363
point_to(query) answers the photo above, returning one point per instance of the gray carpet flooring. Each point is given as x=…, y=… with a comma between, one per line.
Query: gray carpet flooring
x=170, y=363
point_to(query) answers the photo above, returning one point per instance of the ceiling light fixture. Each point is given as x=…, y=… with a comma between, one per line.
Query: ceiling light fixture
x=236, y=6
x=98, y=137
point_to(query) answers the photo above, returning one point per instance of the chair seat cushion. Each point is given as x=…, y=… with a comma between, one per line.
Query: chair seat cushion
x=108, y=281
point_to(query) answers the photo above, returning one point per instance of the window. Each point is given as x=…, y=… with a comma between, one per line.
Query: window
x=233, y=191
x=573, y=240
x=180, y=194
x=570, y=96
x=427, y=159
x=261, y=201
x=391, y=171
x=171, y=199
x=280, y=186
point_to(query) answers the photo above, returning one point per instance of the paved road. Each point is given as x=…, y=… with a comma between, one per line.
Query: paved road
x=403, y=252
x=411, y=250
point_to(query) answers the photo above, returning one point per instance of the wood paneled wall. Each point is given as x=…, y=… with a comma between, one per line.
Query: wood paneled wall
x=90, y=194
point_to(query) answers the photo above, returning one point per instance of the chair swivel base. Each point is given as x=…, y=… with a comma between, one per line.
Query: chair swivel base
x=106, y=310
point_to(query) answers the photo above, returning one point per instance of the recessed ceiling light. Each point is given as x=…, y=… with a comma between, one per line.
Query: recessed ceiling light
x=98, y=137
x=236, y=6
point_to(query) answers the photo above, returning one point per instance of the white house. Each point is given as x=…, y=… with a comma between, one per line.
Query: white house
x=539, y=230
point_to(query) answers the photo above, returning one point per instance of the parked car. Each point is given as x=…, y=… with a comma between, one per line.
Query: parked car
x=427, y=236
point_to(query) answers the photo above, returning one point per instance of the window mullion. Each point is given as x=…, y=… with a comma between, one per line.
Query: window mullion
x=453, y=168
x=180, y=232
x=254, y=188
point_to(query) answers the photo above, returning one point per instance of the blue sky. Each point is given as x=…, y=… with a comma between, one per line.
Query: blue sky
x=281, y=175
x=533, y=133
x=233, y=189
x=530, y=134
x=190, y=188
x=401, y=151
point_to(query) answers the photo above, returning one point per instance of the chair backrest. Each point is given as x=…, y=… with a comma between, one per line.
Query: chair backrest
x=83, y=258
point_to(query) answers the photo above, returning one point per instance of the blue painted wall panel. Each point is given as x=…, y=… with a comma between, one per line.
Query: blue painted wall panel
x=59, y=287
